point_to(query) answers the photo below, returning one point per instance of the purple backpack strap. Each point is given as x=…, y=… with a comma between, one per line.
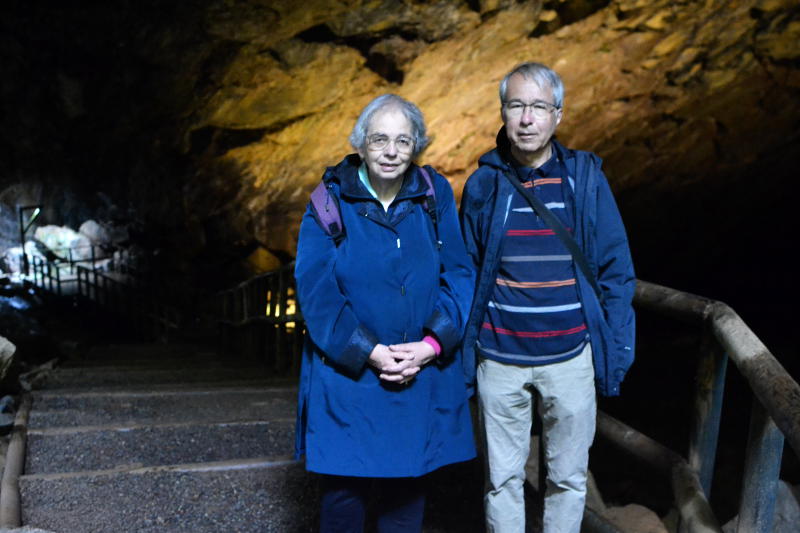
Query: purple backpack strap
x=327, y=213
x=431, y=193
x=430, y=204
x=326, y=209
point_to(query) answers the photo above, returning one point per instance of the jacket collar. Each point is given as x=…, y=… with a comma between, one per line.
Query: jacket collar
x=501, y=157
x=346, y=173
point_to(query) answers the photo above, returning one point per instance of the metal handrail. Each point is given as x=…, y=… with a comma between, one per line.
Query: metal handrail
x=130, y=297
x=255, y=317
x=262, y=298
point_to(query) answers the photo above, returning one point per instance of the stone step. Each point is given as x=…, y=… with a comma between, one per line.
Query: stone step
x=260, y=495
x=156, y=356
x=167, y=406
x=147, y=439
x=257, y=495
x=88, y=377
x=151, y=350
x=161, y=361
x=103, y=448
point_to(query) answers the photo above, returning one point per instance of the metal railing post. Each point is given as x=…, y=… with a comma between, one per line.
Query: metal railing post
x=49, y=274
x=709, y=390
x=58, y=279
x=79, y=287
x=761, y=470
x=23, y=229
x=24, y=257
x=280, y=331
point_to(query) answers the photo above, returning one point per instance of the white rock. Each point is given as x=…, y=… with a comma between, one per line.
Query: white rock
x=12, y=259
x=61, y=239
x=7, y=351
x=96, y=233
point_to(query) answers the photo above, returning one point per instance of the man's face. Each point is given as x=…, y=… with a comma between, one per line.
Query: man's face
x=529, y=136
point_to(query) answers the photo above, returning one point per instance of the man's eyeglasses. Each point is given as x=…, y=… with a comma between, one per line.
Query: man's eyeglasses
x=541, y=110
x=379, y=141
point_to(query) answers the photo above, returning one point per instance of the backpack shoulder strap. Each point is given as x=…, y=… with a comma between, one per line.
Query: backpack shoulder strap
x=430, y=192
x=430, y=203
x=325, y=207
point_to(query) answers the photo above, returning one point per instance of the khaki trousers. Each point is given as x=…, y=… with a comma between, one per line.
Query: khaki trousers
x=567, y=406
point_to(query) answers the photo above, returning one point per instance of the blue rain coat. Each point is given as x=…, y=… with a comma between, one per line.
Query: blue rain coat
x=385, y=282
x=599, y=232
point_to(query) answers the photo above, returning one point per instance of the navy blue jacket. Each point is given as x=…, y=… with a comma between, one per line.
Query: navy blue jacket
x=385, y=282
x=598, y=231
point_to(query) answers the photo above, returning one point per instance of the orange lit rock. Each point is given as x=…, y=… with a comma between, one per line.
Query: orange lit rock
x=665, y=92
x=662, y=91
x=262, y=260
x=203, y=126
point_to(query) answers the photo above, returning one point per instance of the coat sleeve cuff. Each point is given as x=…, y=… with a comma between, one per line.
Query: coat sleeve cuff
x=444, y=330
x=356, y=352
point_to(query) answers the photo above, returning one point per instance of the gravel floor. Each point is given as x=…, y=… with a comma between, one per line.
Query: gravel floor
x=96, y=422
x=102, y=377
x=149, y=407
x=279, y=499
x=106, y=449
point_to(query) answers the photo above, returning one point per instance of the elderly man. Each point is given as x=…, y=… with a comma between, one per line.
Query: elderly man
x=552, y=318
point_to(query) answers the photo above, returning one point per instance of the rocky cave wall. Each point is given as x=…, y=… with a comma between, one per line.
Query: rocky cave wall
x=209, y=121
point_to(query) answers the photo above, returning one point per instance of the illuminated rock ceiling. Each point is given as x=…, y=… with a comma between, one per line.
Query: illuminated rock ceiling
x=662, y=90
x=216, y=118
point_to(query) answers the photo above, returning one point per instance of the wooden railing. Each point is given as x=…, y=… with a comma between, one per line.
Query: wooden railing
x=775, y=414
x=260, y=317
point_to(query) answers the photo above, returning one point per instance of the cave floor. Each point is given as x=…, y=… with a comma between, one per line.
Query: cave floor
x=179, y=436
x=176, y=437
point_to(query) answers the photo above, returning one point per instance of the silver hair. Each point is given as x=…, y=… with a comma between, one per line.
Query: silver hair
x=358, y=137
x=542, y=75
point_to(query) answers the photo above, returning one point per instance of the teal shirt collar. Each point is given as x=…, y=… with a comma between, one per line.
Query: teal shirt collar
x=364, y=177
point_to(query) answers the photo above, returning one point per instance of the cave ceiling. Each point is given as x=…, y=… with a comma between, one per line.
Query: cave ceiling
x=217, y=117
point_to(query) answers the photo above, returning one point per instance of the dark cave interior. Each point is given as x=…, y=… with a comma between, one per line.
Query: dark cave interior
x=105, y=115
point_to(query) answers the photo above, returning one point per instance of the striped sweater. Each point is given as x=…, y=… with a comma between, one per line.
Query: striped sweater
x=535, y=315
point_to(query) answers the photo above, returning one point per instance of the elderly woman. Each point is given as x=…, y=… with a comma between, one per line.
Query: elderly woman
x=382, y=398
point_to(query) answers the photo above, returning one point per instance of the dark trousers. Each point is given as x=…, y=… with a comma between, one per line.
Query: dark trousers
x=400, y=504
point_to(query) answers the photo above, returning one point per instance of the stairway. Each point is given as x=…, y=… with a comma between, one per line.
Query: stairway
x=174, y=438
x=163, y=438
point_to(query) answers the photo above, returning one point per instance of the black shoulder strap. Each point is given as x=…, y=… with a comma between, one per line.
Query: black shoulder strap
x=560, y=231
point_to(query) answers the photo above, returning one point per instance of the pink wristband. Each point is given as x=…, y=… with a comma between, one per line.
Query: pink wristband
x=437, y=348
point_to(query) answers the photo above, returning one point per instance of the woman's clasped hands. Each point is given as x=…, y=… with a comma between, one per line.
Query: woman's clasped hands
x=400, y=363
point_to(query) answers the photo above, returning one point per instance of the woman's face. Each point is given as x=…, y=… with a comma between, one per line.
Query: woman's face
x=389, y=145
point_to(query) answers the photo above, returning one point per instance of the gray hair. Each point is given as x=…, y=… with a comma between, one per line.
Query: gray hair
x=542, y=75
x=358, y=137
